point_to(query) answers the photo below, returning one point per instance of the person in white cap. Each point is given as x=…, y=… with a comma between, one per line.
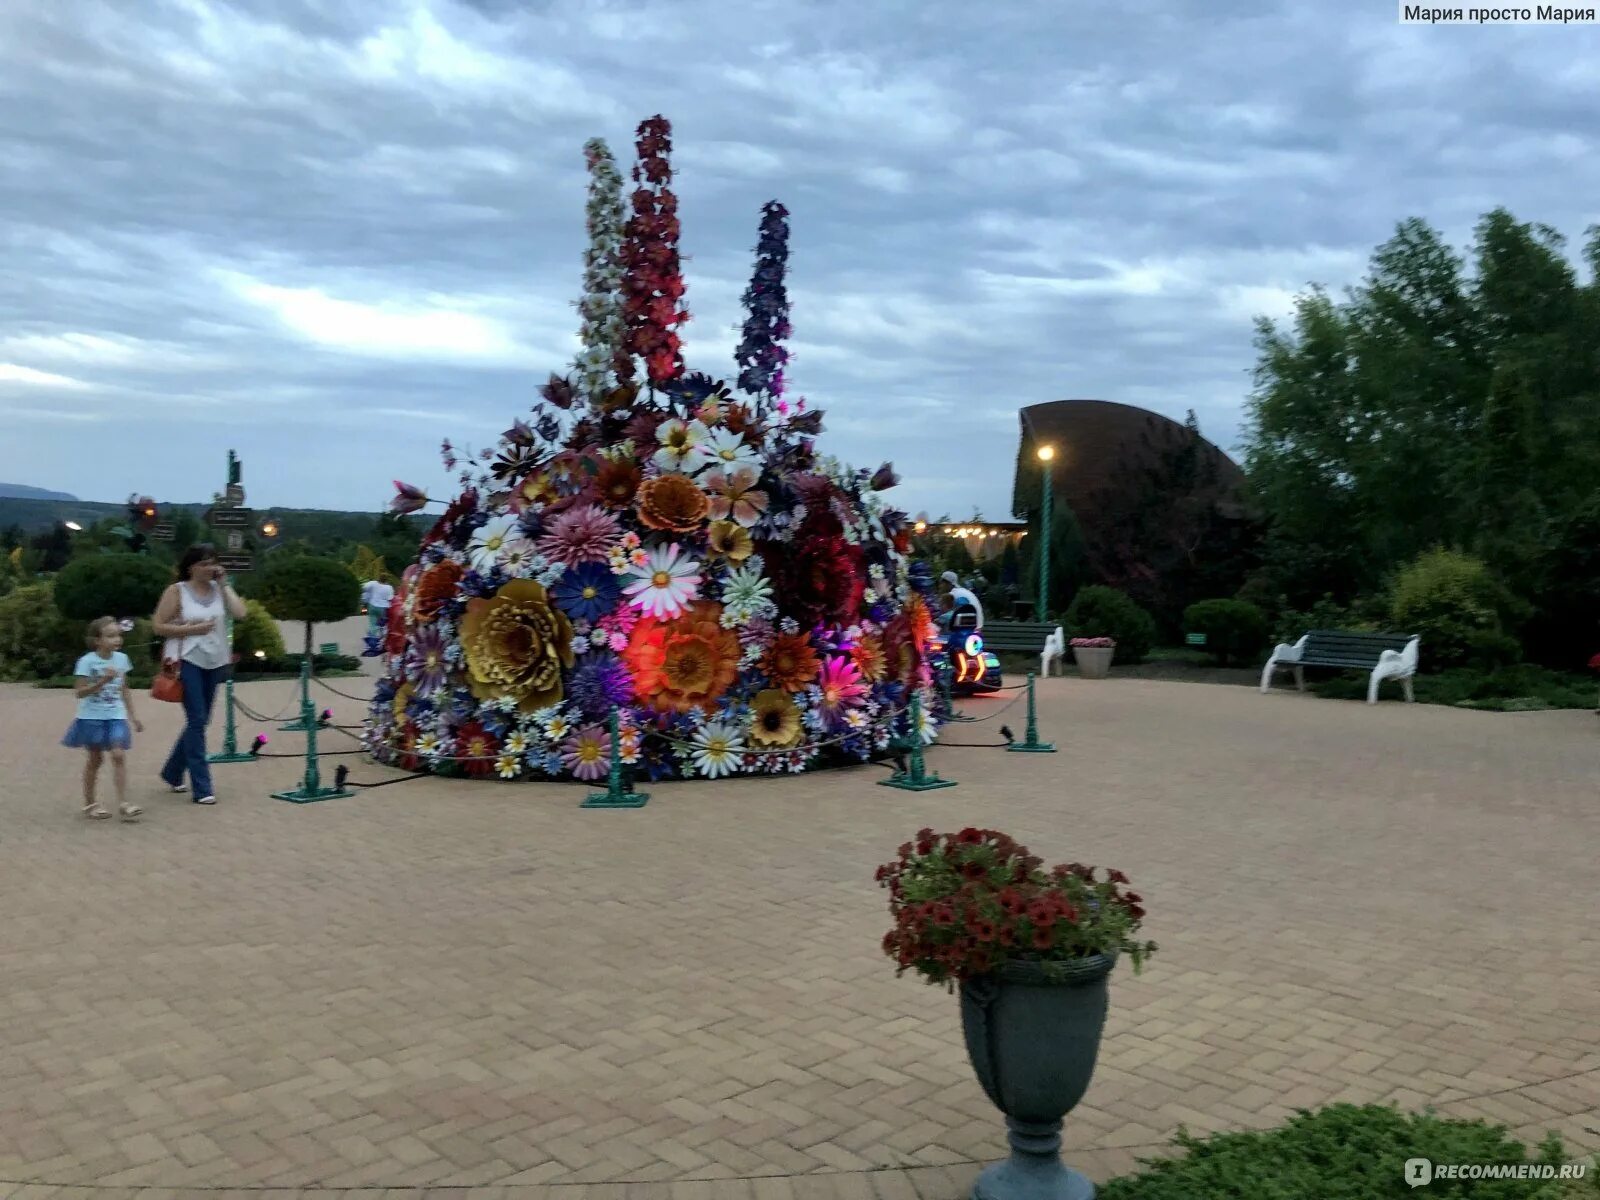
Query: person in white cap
x=962, y=596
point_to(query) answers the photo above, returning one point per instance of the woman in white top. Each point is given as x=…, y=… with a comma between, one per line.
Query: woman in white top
x=192, y=617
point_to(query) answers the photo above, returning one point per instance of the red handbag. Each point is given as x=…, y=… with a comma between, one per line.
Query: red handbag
x=168, y=683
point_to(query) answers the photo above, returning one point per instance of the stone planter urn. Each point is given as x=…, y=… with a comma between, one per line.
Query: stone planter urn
x=1094, y=662
x=1033, y=1038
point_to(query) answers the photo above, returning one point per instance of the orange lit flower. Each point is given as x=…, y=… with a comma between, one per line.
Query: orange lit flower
x=672, y=502
x=685, y=663
x=774, y=719
x=868, y=656
x=436, y=586
x=920, y=620
x=731, y=541
x=516, y=644
x=790, y=662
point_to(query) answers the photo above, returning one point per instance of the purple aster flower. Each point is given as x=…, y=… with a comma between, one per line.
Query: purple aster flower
x=587, y=592
x=599, y=684
x=426, y=664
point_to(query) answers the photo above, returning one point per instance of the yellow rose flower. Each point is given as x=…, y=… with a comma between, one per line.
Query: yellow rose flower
x=516, y=644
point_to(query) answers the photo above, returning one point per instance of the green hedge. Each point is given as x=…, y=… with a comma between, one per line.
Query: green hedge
x=1235, y=630
x=110, y=585
x=1345, y=1152
x=1459, y=608
x=1098, y=611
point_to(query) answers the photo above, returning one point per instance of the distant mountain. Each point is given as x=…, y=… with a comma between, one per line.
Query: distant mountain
x=21, y=491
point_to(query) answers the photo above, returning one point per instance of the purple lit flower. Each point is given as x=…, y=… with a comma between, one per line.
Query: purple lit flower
x=426, y=665
x=580, y=535
x=600, y=684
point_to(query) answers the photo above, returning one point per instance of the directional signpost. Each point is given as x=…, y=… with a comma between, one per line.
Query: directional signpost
x=224, y=516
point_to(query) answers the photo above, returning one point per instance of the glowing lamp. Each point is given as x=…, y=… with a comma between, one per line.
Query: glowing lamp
x=261, y=653
x=74, y=526
x=1046, y=453
x=974, y=644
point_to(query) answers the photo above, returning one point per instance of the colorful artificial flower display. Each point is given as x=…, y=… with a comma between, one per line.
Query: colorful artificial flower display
x=659, y=549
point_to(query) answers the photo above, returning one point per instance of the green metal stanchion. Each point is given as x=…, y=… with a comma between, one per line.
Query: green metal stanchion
x=307, y=719
x=619, y=791
x=230, y=752
x=915, y=778
x=311, y=788
x=1030, y=744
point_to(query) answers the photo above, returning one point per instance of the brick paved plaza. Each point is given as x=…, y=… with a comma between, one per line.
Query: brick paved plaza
x=452, y=985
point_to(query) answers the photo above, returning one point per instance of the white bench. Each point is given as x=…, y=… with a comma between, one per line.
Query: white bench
x=1385, y=655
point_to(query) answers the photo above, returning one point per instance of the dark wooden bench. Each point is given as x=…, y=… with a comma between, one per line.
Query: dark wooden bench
x=1384, y=655
x=1026, y=637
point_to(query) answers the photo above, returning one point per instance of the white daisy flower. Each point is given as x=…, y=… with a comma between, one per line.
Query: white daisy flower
x=718, y=747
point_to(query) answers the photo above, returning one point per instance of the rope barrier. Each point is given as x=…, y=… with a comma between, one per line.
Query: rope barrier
x=346, y=695
x=1009, y=704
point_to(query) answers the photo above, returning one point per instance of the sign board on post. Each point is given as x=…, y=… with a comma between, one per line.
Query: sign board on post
x=236, y=539
x=162, y=531
x=232, y=518
x=1195, y=639
x=236, y=563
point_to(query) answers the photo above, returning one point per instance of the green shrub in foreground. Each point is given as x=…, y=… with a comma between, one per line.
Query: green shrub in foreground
x=1343, y=1152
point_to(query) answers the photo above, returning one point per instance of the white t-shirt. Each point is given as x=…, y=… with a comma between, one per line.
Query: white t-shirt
x=106, y=704
x=960, y=596
x=377, y=595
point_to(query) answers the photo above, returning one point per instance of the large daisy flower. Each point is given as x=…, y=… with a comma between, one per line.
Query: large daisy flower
x=427, y=665
x=587, y=752
x=717, y=749
x=840, y=688
x=747, y=593
x=726, y=449
x=491, y=539
x=665, y=583
x=682, y=445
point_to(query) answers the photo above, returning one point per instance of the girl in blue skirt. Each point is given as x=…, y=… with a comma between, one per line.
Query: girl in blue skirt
x=104, y=710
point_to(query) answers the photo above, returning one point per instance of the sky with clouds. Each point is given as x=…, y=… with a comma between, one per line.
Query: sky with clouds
x=330, y=233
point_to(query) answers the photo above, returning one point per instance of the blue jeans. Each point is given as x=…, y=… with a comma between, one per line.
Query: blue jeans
x=189, y=752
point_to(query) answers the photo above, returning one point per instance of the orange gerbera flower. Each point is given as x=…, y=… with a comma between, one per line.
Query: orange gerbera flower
x=685, y=663
x=436, y=586
x=920, y=620
x=672, y=502
x=868, y=656
x=790, y=662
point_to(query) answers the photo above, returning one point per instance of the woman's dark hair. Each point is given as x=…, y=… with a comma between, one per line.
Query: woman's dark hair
x=197, y=553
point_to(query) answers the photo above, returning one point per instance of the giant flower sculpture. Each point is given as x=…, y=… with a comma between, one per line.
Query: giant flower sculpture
x=670, y=554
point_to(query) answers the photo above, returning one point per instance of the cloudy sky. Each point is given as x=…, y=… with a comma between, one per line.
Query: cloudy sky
x=331, y=232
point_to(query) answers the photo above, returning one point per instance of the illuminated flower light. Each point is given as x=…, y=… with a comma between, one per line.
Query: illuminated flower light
x=867, y=654
x=729, y=451
x=682, y=445
x=587, y=752
x=587, y=592
x=672, y=502
x=491, y=538
x=428, y=665
x=683, y=664
x=402, y=700
x=790, y=662
x=516, y=645
x=747, y=593
x=774, y=719
x=840, y=688
x=617, y=483
x=436, y=587
x=729, y=541
x=734, y=495
x=665, y=584
x=718, y=748
x=478, y=748
x=537, y=490
x=584, y=534
x=516, y=742
x=508, y=766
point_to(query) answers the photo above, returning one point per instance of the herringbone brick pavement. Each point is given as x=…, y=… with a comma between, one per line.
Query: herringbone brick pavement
x=452, y=987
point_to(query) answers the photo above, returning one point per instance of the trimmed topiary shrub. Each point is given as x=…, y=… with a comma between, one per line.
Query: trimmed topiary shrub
x=308, y=589
x=258, y=631
x=1345, y=1152
x=110, y=585
x=1098, y=611
x=1235, y=630
x=1453, y=601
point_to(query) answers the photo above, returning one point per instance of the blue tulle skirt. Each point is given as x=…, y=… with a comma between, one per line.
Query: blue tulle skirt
x=98, y=735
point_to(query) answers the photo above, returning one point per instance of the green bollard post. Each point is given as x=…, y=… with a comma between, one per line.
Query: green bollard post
x=1030, y=744
x=619, y=792
x=915, y=778
x=307, y=718
x=311, y=789
x=230, y=752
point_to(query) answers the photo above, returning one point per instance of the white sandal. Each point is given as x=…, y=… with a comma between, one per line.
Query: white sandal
x=95, y=812
x=129, y=812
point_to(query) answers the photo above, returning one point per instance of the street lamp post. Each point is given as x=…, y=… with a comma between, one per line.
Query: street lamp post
x=1046, y=454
